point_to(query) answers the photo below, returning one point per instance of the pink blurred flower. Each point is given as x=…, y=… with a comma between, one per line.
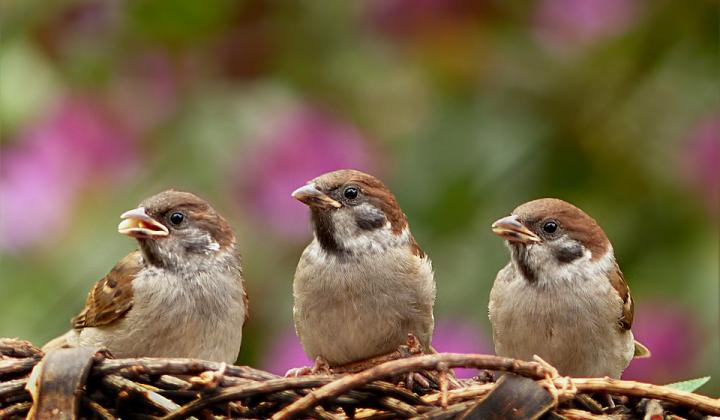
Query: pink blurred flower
x=40, y=175
x=284, y=353
x=459, y=336
x=302, y=145
x=673, y=336
x=702, y=161
x=570, y=24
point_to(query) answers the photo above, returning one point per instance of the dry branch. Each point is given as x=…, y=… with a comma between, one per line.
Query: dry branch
x=643, y=390
x=149, y=394
x=15, y=410
x=14, y=366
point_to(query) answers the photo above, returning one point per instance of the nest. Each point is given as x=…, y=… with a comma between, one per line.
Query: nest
x=90, y=384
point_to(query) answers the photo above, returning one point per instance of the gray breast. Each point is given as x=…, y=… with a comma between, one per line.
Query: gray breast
x=351, y=309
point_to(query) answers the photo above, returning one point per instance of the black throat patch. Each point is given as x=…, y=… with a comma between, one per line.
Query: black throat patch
x=520, y=255
x=325, y=231
x=148, y=248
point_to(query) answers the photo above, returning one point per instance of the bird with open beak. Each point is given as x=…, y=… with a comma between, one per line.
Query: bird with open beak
x=180, y=295
x=562, y=296
x=363, y=284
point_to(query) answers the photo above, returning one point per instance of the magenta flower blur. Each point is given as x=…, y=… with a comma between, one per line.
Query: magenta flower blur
x=702, y=162
x=301, y=146
x=35, y=197
x=570, y=24
x=78, y=143
x=673, y=336
x=284, y=353
x=460, y=336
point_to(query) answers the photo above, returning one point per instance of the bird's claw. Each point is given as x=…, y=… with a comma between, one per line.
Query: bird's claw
x=321, y=367
x=298, y=372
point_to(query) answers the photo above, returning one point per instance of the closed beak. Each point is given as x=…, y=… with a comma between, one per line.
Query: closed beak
x=309, y=194
x=512, y=230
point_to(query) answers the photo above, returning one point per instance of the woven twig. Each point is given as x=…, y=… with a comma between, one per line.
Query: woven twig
x=178, y=388
x=396, y=367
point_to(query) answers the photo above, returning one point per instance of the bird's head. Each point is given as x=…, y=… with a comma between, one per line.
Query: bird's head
x=549, y=236
x=178, y=230
x=353, y=212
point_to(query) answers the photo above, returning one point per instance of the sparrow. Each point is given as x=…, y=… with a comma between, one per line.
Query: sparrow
x=363, y=284
x=562, y=296
x=181, y=294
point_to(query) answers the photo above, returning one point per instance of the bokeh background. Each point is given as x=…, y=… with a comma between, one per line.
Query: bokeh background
x=465, y=108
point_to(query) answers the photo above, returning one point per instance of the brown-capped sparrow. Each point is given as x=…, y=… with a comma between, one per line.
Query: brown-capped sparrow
x=363, y=284
x=180, y=295
x=562, y=296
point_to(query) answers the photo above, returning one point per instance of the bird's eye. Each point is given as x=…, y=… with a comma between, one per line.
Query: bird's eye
x=350, y=193
x=550, y=227
x=177, y=218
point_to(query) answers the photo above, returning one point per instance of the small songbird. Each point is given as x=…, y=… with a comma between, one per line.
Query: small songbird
x=363, y=284
x=181, y=294
x=562, y=296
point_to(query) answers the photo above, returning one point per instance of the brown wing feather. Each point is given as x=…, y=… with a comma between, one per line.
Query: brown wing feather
x=246, y=301
x=111, y=297
x=415, y=248
x=628, y=310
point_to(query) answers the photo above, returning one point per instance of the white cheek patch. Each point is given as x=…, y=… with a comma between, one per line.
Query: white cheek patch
x=202, y=252
x=203, y=240
x=351, y=237
x=548, y=268
x=369, y=240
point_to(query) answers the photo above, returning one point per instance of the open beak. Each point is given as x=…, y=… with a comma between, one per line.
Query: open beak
x=138, y=224
x=313, y=197
x=510, y=229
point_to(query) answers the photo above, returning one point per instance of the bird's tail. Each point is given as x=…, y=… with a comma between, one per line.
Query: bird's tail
x=641, y=352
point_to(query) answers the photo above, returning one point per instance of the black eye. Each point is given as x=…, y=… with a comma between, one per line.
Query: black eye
x=177, y=218
x=350, y=193
x=550, y=227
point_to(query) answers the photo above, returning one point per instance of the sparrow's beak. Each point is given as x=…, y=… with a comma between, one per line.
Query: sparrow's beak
x=313, y=197
x=138, y=224
x=510, y=229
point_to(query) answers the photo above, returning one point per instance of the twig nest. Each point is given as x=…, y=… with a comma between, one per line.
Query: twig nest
x=97, y=386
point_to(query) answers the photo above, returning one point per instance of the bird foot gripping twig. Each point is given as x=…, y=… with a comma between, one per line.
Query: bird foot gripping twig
x=440, y=379
x=411, y=348
x=321, y=367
